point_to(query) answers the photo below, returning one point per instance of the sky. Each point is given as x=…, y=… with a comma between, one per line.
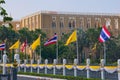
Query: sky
x=21, y=8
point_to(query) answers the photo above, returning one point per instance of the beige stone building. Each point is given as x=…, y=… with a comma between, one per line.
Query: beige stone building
x=62, y=22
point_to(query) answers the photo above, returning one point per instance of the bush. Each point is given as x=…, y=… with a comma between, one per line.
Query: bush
x=57, y=76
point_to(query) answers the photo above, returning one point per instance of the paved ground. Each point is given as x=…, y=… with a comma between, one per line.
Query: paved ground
x=26, y=77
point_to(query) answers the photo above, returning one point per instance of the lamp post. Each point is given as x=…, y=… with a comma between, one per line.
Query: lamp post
x=16, y=56
x=4, y=61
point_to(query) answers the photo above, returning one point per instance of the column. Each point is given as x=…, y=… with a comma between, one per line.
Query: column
x=88, y=68
x=64, y=62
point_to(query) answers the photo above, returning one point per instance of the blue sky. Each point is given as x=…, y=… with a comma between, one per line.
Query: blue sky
x=21, y=8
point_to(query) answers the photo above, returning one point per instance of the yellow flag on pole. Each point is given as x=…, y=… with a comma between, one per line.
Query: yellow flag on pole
x=35, y=43
x=15, y=45
x=72, y=38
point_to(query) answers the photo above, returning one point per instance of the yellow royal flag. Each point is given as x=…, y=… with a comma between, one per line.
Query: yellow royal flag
x=15, y=45
x=72, y=38
x=35, y=43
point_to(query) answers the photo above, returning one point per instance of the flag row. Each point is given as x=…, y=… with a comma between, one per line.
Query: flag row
x=104, y=36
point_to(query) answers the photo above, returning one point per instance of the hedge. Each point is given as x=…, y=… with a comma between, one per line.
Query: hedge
x=57, y=76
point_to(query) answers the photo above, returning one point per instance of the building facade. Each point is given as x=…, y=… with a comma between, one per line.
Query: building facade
x=52, y=22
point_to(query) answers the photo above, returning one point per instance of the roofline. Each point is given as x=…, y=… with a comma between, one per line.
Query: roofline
x=72, y=13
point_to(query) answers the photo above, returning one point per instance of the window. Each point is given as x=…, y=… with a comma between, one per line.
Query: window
x=72, y=23
x=97, y=22
x=61, y=22
x=81, y=22
x=62, y=33
x=116, y=23
x=108, y=21
x=88, y=22
x=53, y=22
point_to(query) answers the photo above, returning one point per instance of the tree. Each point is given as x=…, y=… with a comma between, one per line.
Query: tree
x=68, y=52
x=10, y=36
x=86, y=40
x=3, y=13
x=92, y=36
x=25, y=35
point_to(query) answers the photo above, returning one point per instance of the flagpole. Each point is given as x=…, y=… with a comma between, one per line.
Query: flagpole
x=77, y=48
x=40, y=54
x=57, y=51
x=40, y=49
x=25, y=49
x=104, y=52
x=1, y=55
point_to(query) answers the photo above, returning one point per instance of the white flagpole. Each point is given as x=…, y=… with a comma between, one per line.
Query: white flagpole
x=25, y=49
x=1, y=55
x=40, y=49
x=104, y=53
x=40, y=53
x=77, y=47
x=107, y=24
x=57, y=51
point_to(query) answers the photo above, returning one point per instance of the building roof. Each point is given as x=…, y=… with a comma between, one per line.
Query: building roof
x=73, y=13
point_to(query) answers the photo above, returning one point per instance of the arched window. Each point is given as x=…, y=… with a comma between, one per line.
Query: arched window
x=53, y=22
x=88, y=22
x=72, y=22
x=61, y=22
x=81, y=22
x=97, y=22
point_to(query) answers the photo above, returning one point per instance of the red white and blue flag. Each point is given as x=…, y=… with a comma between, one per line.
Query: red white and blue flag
x=24, y=44
x=52, y=40
x=104, y=35
x=2, y=46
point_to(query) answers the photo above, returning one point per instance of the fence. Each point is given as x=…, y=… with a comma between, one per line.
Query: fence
x=103, y=72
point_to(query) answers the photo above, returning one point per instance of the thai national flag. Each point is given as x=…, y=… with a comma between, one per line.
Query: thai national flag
x=2, y=46
x=24, y=44
x=104, y=35
x=53, y=40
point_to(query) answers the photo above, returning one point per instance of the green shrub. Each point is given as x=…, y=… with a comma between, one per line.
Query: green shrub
x=57, y=76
